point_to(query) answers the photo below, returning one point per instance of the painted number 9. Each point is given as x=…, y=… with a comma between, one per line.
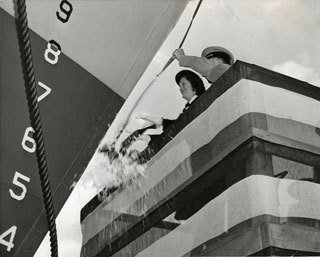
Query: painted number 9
x=66, y=8
x=52, y=52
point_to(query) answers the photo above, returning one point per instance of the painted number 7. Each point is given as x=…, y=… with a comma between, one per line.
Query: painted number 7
x=16, y=182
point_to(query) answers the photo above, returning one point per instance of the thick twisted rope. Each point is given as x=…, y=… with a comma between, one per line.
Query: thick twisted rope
x=34, y=115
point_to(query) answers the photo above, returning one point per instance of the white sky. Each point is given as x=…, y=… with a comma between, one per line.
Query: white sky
x=281, y=35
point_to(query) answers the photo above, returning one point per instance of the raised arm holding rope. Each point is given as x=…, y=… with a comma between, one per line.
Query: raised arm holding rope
x=214, y=61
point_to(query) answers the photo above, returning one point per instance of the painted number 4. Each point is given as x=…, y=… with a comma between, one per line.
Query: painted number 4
x=9, y=244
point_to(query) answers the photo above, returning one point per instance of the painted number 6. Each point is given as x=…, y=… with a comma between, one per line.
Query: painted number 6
x=16, y=182
x=31, y=146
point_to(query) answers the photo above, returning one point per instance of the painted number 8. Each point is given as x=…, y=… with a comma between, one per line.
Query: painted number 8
x=52, y=52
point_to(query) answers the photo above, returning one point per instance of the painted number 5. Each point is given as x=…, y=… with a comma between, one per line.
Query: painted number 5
x=16, y=182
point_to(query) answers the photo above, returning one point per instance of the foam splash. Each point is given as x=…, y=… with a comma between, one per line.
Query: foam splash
x=115, y=168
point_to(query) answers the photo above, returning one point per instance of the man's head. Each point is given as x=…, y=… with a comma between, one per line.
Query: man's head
x=217, y=54
x=190, y=84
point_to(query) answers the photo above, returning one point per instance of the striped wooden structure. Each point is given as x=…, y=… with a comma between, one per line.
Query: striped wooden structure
x=218, y=171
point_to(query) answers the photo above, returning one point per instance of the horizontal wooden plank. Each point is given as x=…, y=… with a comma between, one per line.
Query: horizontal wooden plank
x=295, y=237
x=229, y=139
x=262, y=234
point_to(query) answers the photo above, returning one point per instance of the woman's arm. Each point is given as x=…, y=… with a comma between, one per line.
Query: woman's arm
x=153, y=120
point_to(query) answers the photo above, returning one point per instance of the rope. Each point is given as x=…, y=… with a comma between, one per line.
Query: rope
x=158, y=75
x=34, y=115
x=185, y=36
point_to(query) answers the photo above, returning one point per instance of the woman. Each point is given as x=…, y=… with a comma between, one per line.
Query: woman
x=190, y=86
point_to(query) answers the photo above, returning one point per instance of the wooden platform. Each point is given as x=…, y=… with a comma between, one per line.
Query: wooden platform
x=247, y=131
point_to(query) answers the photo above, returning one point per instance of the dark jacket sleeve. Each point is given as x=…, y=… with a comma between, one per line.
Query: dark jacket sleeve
x=166, y=123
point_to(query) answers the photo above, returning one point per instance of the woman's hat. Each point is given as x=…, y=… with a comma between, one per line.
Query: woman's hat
x=193, y=78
